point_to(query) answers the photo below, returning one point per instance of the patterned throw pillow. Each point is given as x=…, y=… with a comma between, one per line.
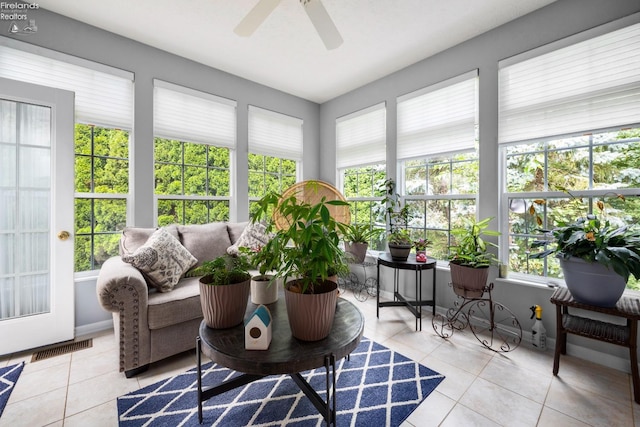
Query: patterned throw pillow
x=162, y=259
x=253, y=235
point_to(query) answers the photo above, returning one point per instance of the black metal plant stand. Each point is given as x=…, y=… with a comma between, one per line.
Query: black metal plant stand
x=493, y=324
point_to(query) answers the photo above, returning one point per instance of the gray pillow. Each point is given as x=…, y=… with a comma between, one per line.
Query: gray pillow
x=254, y=235
x=162, y=259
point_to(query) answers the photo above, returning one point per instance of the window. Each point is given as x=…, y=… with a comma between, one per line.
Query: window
x=361, y=155
x=570, y=137
x=275, y=152
x=104, y=116
x=101, y=186
x=193, y=149
x=437, y=140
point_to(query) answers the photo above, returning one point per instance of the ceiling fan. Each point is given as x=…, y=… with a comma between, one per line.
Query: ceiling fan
x=315, y=10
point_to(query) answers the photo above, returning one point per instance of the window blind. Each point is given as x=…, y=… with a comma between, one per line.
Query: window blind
x=188, y=115
x=438, y=119
x=103, y=95
x=591, y=85
x=361, y=137
x=275, y=134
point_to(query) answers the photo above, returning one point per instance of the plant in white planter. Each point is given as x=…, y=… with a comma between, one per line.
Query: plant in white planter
x=264, y=286
x=596, y=258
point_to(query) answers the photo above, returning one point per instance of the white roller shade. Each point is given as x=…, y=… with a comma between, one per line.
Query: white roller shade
x=103, y=95
x=361, y=137
x=275, y=134
x=438, y=119
x=594, y=84
x=188, y=115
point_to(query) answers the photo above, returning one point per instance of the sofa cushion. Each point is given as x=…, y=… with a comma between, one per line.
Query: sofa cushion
x=205, y=241
x=235, y=230
x=254, y=235
x=162, y=259
x=180, y=305
x=134, y=237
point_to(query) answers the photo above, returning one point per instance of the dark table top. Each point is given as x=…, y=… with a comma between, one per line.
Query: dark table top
x=409, y=264
x=286, y=354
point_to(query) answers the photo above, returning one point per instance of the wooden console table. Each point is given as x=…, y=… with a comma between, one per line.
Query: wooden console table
x=624, y=335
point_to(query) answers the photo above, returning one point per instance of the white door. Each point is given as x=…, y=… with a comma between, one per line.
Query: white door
x=36, y=216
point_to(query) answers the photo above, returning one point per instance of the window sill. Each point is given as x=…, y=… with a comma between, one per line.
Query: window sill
x=551, y=285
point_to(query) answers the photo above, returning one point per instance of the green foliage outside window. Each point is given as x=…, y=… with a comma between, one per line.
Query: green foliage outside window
x=198, y=175
x=594, y=167
x=363, y=188
x=440, y=193
x=269, y=174
x=101, y=168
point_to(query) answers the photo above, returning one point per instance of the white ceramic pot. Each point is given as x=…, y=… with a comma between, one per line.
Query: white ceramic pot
x=264, y=290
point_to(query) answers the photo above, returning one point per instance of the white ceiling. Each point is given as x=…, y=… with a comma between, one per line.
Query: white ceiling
x=286, y=53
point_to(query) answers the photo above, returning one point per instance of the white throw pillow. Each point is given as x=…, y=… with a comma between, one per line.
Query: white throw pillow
x=162, y=259
x=253, y=235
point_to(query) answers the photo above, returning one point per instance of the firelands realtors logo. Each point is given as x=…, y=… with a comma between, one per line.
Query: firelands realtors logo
x=17, y=15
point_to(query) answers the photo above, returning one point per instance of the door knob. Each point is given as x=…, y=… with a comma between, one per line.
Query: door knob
x=63, y=235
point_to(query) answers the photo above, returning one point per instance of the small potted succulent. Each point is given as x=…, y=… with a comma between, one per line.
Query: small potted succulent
x=596, y=257
x=224, y=290
x=421, y=246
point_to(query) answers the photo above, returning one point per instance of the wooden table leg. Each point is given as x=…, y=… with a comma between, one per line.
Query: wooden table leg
x=633, y=357
x=561, y=338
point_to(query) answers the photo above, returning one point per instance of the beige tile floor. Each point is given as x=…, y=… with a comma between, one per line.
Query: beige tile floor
x=482, y=388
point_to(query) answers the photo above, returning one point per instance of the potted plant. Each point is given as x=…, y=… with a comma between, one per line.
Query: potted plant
x=397, y=217
x=264, y=287
x=356, y=240
x=305, y=253
x=224, y=290
x=596, y=257
x=469, y=258
x=421, y=246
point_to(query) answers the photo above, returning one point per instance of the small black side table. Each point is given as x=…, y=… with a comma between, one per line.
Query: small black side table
x=414, y=306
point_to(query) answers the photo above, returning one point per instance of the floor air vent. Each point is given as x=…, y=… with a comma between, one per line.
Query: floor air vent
x=62, y=349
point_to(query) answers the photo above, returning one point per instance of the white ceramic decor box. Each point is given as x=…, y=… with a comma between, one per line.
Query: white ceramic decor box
x=257, y=329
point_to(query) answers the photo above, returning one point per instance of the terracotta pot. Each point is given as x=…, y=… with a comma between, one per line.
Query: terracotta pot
x=357, y=251
x=224, y=306
x=399, y=252
x=592, y=283
x=468, y=282
x=264, y=290
x=311, y=315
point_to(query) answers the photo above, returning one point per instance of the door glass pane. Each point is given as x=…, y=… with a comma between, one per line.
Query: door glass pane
x=25, y=194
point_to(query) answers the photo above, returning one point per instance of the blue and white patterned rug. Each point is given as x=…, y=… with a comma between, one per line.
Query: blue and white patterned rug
x=376, y=387
x=8, y=378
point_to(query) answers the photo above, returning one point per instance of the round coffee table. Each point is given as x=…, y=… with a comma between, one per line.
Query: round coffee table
x=286, y=354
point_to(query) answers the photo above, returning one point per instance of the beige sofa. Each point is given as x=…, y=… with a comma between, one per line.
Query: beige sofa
x=152, y=325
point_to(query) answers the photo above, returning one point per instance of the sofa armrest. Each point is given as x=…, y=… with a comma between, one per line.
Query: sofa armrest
x=122, y=290
x=119, y=282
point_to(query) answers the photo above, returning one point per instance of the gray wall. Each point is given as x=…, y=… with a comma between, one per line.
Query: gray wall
x=556, y=21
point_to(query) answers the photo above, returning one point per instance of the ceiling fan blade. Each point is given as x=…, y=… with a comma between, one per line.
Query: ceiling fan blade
x=324, y=25
x=256, y=17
